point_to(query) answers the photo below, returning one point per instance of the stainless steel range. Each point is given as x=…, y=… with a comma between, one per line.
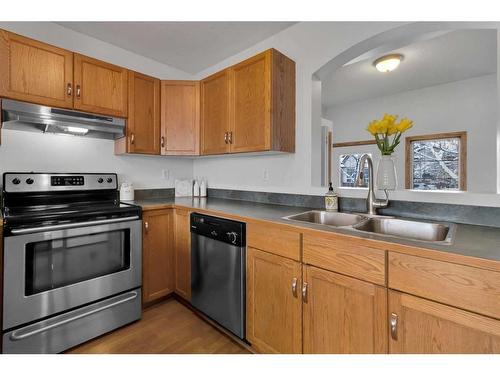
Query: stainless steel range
x=72, y=260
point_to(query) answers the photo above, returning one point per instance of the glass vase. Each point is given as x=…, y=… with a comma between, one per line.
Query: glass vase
x=386, y=173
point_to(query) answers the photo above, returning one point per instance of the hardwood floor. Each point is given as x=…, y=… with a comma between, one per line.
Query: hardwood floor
x=166, y=328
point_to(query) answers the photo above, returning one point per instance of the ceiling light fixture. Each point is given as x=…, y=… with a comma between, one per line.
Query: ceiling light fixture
x=388, y=63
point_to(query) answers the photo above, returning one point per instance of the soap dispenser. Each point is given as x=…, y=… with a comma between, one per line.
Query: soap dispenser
x=331, y=200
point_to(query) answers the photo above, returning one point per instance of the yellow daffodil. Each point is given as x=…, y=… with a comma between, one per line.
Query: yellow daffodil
x=404, y=125
x=386, y=127
x=393, y=129
x=383, y=127
x=391, y=119
x=373, y=127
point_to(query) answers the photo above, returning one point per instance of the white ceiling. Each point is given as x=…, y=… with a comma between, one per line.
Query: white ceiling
x=188, y=46
x=448, y=57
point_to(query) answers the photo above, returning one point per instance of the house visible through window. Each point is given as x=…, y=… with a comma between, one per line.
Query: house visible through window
x=348, y=169
x=436, y=162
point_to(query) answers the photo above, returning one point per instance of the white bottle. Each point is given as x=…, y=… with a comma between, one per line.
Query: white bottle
x=196, y=189
x=203, y=188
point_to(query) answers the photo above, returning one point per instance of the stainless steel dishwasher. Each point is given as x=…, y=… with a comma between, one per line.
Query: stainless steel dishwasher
x=218, y=251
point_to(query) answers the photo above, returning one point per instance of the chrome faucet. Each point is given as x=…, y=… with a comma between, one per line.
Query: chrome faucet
x=372, y=202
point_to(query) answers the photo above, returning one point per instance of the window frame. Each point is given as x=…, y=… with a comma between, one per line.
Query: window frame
x=340, y=171
x=462, y=136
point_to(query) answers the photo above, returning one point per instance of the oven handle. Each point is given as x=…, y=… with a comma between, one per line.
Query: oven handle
x=72, y=225
x=14, y=336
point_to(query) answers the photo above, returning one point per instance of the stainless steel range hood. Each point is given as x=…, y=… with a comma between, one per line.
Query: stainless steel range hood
x=36, y=118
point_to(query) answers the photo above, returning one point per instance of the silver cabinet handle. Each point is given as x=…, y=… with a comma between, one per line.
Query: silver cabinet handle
x=146, y=226
x=230, y=138
x=24, y=333
x=69, y=89
x=72, y=225
x=394, y=326
x=225, y=138
x=304, y=292
x=162, y=142
x=132, y=138
x=78, y=91
x=294, y=286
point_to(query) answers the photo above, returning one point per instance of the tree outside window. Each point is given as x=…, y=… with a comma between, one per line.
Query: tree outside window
x=348, y=169
x=436, y=162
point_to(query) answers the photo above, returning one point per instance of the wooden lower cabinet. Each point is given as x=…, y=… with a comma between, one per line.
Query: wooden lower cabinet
x=274, y=309
x=343, y=315
x=422, y=326
x=157, y=255
x=182, y=254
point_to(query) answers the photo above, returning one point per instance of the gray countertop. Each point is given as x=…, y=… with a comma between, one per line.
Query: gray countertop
x=468, y=240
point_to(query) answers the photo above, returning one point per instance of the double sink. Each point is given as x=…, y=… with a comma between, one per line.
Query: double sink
x=382, y=225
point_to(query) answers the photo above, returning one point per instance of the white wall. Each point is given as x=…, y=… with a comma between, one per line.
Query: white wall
x=468, y=105
x=26, y=151
x=310, y=45
x=22, y=151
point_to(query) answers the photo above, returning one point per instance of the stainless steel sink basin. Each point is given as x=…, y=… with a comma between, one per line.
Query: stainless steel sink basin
x=336, y=219
x=408, y=229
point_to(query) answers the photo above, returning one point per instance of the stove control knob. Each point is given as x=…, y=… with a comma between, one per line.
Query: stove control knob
x=109, y=180
x=29, y=181
x=16, y=181
x=100, y=180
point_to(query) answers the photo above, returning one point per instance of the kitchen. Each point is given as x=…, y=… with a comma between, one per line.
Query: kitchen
x=266, y=196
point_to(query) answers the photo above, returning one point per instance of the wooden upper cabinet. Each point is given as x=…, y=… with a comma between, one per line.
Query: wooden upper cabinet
x=263, y=104
x=343, y=315
x=274, y=306
x=250, y=106
x=180, y=117
x=157, y=255
x=100, y=87
x=182, y=254
x=251, y=101
x=35, y=72
x=425, y=327
x=143, y=124
x=215, y=113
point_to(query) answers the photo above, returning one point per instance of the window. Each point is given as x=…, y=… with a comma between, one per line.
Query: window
x=436, y=162
x=348, y=168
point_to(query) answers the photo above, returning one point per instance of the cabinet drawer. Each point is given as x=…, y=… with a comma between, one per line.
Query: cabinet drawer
x=274, y=239
x=345, y=255
x=466, y=287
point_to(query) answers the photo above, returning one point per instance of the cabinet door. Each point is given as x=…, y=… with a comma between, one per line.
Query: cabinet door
x=35, y=72
x=343, y=315
x=143, y=125
x=180, y=113
x=274, y=305
x=251, y=104
x=182, y=239
x=158, y=267
x=100, y=87
x=215, y=113
x=424, y=327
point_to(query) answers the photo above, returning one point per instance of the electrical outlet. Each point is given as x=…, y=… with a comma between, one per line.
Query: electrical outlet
x=265, y=175
x=166, y=174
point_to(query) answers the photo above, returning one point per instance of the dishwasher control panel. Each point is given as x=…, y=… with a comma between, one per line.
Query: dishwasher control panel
x=228, y=231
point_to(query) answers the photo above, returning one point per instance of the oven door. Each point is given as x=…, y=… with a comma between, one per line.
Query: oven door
x=53, y=271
